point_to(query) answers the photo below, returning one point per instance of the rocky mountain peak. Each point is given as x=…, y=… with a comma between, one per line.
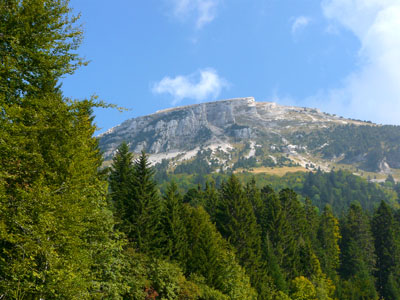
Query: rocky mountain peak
x=186, y=127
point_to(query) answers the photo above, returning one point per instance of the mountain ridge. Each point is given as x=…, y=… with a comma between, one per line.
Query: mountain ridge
x=228, y=127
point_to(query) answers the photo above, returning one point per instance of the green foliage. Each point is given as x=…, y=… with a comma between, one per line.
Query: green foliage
x=303, y=289
x=357, y=256
x=121, y=180
x=386, y=247
x=237, y=223
x=340, y=189
x=211, y=257
x=37, y=43
x=173, y=226
x=328, y=237
x=56, y=231
x=145, y=208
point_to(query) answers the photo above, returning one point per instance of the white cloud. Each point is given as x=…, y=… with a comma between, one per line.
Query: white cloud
x=202, y=85
x=373, y=90
x=299, y=23
x=203, y=11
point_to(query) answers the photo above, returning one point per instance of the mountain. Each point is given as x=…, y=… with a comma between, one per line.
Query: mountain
x=242, y=133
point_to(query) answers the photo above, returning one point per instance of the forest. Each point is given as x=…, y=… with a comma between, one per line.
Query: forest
x=70, y=229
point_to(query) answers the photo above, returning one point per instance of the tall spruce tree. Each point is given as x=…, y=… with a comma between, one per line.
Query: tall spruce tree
x=211, y=257
x=328, y=238
x=121, y=183
x=238, y=224
x=357, y=257
x=145, y=209
x=297, y=248
x=175, y=242
x=386, y=249
x=210, y=196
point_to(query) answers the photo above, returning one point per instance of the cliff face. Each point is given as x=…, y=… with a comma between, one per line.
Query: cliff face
x=215, y=123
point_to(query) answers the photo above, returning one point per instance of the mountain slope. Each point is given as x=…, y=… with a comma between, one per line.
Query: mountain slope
x=243, y=133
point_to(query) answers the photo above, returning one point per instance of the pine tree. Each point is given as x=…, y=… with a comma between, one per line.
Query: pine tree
x=386, y=249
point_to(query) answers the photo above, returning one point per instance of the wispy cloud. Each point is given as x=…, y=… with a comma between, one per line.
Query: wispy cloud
x=373, y=90
x=299, y=23
x=203, y=11
x=203, y=85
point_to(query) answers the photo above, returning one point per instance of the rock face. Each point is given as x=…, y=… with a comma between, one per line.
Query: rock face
x=219, y=123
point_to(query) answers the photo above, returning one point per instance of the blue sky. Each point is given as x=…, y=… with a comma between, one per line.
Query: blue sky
x=342, y=56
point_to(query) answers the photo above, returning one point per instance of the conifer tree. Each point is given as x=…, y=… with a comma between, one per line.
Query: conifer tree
x=194, y=196
x=386, y=249
x=121, y=182
x=145, y=209
x=296, y=249
x=328, y=238
x=276, y=227
x=210, y=196
x=173, y=224
x=237, y=223
x=357, y=257
x=211, y=257
x=253, y=194
x=312, y=219
x=273, y=268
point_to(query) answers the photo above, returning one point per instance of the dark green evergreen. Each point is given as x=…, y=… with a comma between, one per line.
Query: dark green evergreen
x=328, y=236
x=121, y=183
x=145, y=209
x=210, y=196
x=357, y=257
x=237, y=223
x=386, y=249
x=174, y=229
